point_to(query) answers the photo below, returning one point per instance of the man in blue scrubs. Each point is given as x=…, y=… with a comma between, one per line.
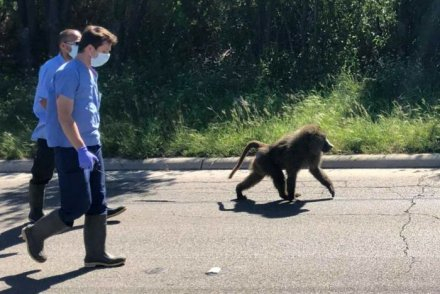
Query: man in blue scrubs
x=44, y=161
x=73, y=131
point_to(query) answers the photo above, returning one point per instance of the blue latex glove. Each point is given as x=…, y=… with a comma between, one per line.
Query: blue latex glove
x=86, y=158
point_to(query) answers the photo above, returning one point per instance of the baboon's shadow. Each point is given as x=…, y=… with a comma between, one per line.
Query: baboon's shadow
x=274, y=209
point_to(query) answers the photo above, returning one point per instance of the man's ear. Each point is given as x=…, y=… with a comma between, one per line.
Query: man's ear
x=88, y=49
x=61, y=46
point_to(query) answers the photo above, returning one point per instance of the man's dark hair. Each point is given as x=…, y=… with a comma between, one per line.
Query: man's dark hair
x=96, y=36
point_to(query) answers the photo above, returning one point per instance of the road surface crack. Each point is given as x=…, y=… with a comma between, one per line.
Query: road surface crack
x=402, y=234
x=404, y=237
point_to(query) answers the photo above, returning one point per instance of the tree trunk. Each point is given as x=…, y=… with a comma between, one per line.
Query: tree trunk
x=133, y=19
x=26, y=33
x=52, y=26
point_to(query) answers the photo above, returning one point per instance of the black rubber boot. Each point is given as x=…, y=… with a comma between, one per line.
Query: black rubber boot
x=36, y=201
x=111, y=212
x=95, y=233
x=35, y=234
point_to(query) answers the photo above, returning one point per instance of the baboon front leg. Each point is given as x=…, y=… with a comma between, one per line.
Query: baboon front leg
x=291, y=184
x=321, y=176
x=250, y=181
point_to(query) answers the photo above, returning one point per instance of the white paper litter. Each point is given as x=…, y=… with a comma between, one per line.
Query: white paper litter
x=213, y=271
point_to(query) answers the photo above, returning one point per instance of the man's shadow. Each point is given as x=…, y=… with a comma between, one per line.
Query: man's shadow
x=275, y=209
x=10, y=238
x=21, y=283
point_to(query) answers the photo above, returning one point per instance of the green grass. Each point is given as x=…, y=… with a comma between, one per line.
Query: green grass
x=340, y=111
x=350, y=127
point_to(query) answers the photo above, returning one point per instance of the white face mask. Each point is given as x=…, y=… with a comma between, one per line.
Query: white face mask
x=101, y=59
x=74, y=51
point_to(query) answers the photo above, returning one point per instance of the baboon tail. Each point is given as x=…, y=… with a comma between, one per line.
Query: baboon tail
x=251, y=144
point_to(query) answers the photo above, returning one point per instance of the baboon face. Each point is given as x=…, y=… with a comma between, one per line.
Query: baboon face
x=327, y=146
x=319, y=143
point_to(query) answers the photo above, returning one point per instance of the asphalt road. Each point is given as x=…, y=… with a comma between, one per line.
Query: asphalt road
x=380, y=234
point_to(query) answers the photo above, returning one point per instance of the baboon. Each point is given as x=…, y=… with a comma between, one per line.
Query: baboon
x=302, y=149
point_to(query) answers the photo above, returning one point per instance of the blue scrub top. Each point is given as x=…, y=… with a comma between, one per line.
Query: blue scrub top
x=45, y=75
x=75, y=81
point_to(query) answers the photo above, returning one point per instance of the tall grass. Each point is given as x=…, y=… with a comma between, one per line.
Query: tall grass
x=225, y=127
x=349, y=125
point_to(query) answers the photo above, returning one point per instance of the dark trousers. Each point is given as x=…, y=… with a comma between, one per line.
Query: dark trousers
x=44, y=164
x=82, y=191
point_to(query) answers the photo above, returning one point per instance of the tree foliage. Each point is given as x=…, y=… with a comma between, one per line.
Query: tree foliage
x=192, y=60
x=295, y=42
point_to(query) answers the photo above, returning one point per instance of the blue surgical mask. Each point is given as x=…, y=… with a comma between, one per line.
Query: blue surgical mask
x=74, y=51
x=101, y=59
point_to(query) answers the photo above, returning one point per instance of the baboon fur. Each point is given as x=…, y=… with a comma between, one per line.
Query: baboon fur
x=302, y=149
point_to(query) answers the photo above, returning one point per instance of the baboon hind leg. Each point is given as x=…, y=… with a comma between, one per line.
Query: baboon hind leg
x=279, y=181
x=291, y=184
x=250, y=181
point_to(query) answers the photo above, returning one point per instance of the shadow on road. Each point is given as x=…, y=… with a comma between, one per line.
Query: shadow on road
x=119, y=185
x=275, y=209
x=10, y=238
x=21, y=283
